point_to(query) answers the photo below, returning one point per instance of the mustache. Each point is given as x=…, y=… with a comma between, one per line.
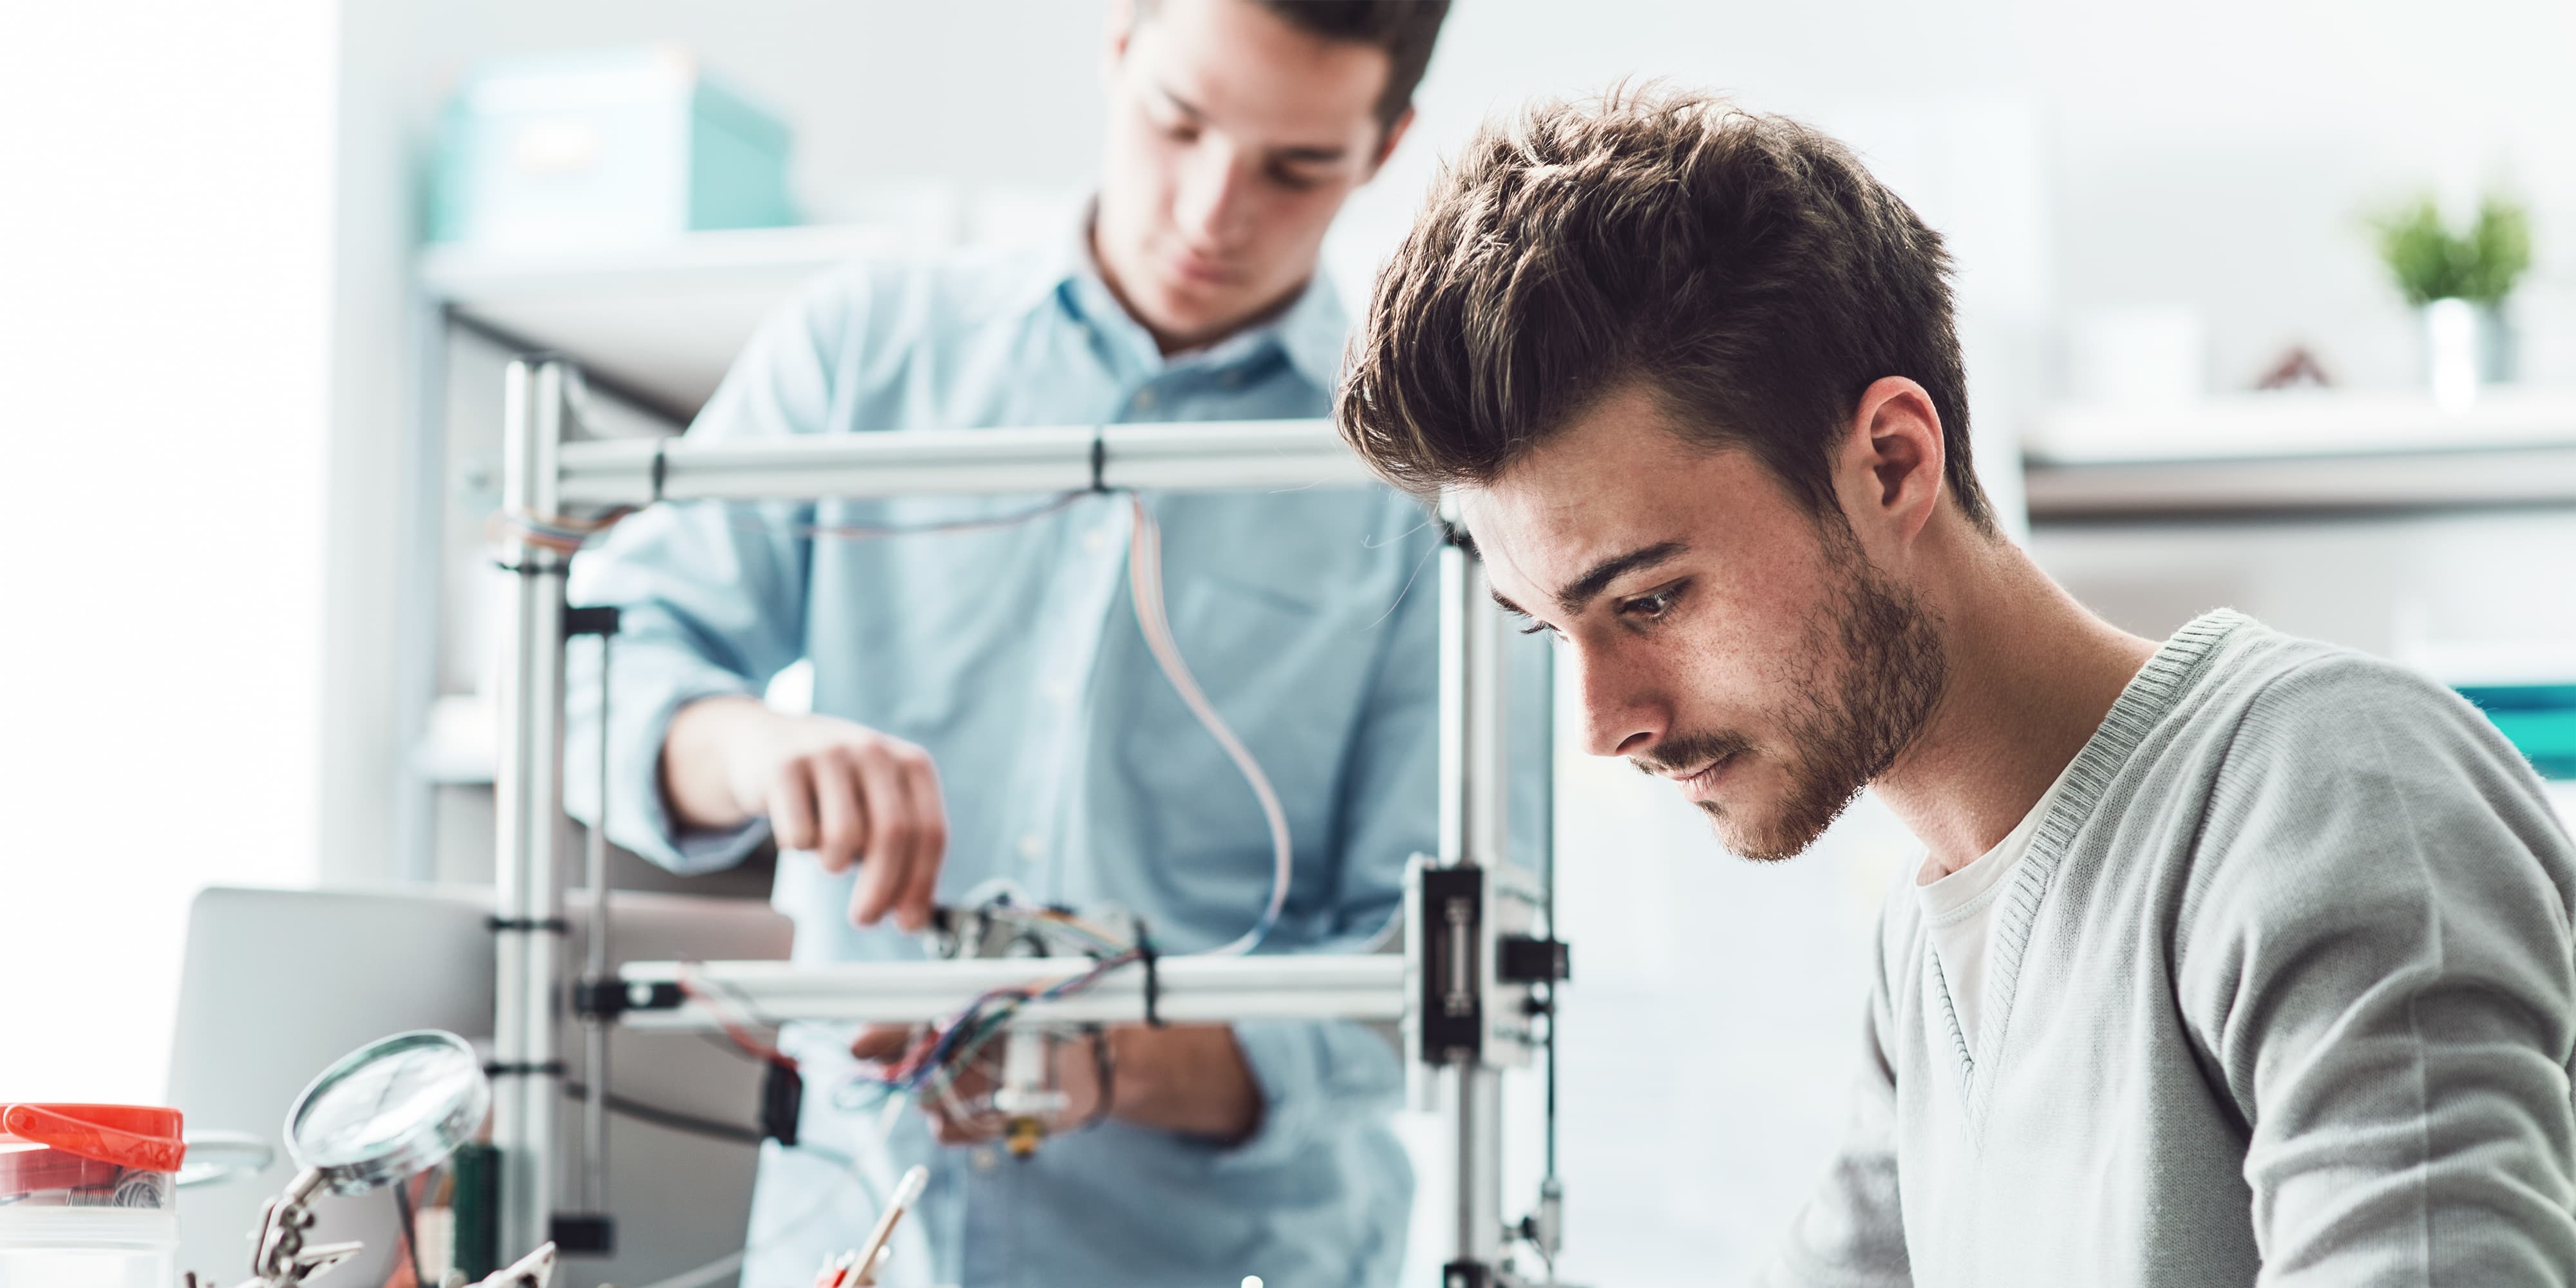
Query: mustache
x=1688, y=753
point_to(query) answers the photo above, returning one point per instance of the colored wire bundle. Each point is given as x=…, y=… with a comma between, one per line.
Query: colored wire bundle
x=562, y=534
x=943, y=1052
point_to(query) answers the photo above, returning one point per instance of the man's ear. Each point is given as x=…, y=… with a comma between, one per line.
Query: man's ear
x=1892, y=460
x=1386, y=146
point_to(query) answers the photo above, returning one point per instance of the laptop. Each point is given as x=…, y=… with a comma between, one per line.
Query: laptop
x=277, y=984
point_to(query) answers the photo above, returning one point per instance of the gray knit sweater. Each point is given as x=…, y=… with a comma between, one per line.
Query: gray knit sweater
x=2283, y=993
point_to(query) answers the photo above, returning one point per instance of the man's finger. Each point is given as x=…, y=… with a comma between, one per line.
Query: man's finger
x=791, y=807
x=887, y=857
x=921, y=886
x=881, y=1041
x=839, y=816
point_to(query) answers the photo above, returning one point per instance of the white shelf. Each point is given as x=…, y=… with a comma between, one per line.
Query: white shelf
x=2303, y=423
x=2303, y=452
x=663, y=321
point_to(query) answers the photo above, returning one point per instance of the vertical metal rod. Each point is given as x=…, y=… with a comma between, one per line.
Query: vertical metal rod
x=528, y=801
x=594, y=1065
x=1472, y=833
x=418, y=607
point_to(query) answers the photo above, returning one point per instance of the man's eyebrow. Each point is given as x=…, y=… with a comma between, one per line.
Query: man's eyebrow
x=1508, y=606
x=1312, y=154
x=1187, y=108
x=1316, y=155
x=1598, y=578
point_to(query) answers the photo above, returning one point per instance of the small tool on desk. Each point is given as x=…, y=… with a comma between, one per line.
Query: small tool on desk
x=859, y=1269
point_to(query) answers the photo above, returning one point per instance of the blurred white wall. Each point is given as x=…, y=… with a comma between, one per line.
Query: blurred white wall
x=164, y=294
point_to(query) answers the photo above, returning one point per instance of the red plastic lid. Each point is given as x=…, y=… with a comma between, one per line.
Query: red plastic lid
x=136, y=1136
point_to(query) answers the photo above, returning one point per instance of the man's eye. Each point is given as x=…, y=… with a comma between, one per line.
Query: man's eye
x=1294, y=181
x=1536, y=627
x=1653, y=605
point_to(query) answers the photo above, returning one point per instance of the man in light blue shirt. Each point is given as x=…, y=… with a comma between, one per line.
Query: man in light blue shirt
x=985, y=706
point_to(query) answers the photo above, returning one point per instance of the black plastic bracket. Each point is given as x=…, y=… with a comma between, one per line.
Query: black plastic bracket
x=1452, y=1005
x=527, y=925
x=782, y=1099
x=585, y=1233
x=1527, y=959
x=599, y=620
x=1466, y=1274
x=606, y=999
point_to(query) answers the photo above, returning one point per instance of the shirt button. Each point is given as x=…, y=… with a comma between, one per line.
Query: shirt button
x=1031, y=846
x=982, y=1158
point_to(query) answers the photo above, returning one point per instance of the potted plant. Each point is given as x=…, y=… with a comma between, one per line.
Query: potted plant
x=2457, y=283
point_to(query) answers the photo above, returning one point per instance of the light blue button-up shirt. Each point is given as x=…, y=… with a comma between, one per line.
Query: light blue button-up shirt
x=1070, y=765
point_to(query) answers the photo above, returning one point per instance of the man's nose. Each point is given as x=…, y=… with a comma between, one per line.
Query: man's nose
x=1619, y=716
x=1211, y=205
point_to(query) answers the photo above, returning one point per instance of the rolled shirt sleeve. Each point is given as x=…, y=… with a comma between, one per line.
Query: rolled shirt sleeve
x=712, y=596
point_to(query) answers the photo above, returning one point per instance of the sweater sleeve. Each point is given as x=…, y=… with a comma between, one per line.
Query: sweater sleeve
x=1851, y=1234
x=2375, y=957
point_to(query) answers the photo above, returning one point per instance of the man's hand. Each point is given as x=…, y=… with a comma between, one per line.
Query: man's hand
x=849, y=794
x=1187, y=1079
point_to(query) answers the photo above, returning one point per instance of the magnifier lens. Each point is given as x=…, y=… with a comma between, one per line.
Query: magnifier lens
x=390, y=1110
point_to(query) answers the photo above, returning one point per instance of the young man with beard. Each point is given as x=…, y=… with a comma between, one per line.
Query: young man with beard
x=985, y=706
x=2230, y=958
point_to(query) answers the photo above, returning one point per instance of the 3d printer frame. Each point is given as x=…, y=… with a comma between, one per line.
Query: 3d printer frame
x=1468, y=990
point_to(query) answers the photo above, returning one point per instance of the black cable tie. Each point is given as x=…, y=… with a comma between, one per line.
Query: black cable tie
x=1153, y=978
x=661, y=467
x=499, y=1069
x=550, y=925
x=1105, y=1068
x=531, y=568
x=1099, y=458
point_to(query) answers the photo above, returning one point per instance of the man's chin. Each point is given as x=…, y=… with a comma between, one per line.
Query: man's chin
x=1776, y=833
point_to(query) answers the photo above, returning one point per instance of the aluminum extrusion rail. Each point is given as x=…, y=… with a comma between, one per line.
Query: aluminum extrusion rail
x=1191, y=990
x=1197, y=456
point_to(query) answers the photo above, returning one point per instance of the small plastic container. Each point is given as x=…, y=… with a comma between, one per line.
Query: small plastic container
x=89, y=1196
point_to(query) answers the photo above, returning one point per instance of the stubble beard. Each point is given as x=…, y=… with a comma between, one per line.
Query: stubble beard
x=1876, y=673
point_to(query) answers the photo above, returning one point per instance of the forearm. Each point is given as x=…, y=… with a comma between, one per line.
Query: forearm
x=696, y=782
x=1190, y=1080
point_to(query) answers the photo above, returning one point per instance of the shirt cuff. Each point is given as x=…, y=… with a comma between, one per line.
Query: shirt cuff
x=651, y=687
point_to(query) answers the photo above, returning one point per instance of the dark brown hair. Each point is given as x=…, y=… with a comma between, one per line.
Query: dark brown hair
x=1743, y=268
x=1405, y=29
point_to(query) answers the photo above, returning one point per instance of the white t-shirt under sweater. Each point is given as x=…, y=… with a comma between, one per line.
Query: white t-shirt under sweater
x=1959, y=910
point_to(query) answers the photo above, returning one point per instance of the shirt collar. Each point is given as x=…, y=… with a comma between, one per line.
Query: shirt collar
x=1308, y=333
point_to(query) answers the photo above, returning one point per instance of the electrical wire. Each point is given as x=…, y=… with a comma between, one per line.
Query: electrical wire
x=669, y=1119
x=873, y=532
x=563, y=534
x=733, y=1028
x=1145, y=586
x=410, y=1233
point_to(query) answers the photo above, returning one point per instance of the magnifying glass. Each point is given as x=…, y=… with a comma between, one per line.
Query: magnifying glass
x=388, y=1111
x=380, y=1115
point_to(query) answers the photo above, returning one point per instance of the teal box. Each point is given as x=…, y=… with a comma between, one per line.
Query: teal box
x=2538, y=719
x=603, y=148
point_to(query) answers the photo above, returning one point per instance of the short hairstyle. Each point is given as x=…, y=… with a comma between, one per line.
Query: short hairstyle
x=1744, y=269
x=1405, y=29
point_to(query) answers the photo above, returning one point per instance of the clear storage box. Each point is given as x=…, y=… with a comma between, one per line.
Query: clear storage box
x=88, y=1196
